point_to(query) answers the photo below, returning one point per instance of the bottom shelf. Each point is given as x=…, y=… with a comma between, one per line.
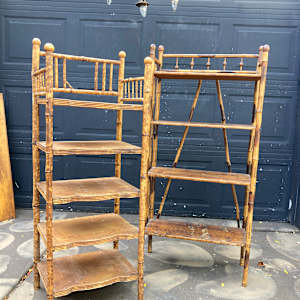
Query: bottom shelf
x=197, y=232
x=88, y=271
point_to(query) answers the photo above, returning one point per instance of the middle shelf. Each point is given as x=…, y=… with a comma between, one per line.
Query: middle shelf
x=87, y=231
x=91, y=147
x=91, y=189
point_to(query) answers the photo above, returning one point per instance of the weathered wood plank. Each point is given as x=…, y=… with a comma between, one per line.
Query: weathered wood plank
x=7, y=203
x=197, y=232
x=90, y=230
x=92, y=189
x=91, y=147
x=87, y=271
x=200, y=175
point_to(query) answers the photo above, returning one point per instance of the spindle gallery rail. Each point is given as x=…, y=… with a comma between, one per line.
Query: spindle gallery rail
x=150, y=171
x=89, y=270
x=199, y=58
x=133, y=89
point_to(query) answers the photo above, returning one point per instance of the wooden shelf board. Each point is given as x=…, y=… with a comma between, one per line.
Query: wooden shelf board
x=87, y=231
x=92, y=189
x=90, y=147
x=205, y=125
x=200, y=175
x=196, y=232
x=199, y=74
x=88, y=271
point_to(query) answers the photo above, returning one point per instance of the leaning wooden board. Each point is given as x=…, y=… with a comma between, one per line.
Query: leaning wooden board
x=7, y=204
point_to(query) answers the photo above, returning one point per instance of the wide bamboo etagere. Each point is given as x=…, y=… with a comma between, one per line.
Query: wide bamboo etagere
x=150, y=170
x=67, y=274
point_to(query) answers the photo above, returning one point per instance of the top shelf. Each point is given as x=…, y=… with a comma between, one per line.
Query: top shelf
x=208, y=75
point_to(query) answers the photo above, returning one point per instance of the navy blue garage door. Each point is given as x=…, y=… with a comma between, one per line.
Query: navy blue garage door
x=94, y=29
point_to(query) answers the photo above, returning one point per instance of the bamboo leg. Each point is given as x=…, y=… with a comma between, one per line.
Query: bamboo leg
x=156, y=102
x=49, y=48
x=154, y=158
x=223, y=116
x=249, y=165
x=264, y=51
x=144, y=179
x=119, y=127
x=179, y=150
x=35, y=162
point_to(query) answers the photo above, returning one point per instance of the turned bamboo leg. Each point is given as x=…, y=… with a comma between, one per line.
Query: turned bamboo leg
x=144, y=179
x=35, y=161
x=49, y=48
x=155, y=139
x=255, y=158
x=119, y=127
x=228, y=162
x=249, y=165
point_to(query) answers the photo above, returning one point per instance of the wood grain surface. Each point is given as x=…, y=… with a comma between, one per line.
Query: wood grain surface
x=87, y=271
x=90, y=230
x=7, y=203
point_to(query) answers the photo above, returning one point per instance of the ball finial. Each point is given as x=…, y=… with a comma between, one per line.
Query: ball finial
x=148, y=60
x=266, y=48
x=161, y=48
x=122, y=54
x=49, y=47
x=36, y=41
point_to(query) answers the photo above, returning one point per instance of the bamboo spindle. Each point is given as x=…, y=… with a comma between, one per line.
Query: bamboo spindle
x=192, y=63
x=176, y=66
x=250, y=151
x=208, y=64
x=155, y=143
x=224, y=63
x=125, y=89
x=136, y=88
x=132, y=88
x=49, y=48
x=36, y=43
x=111, y=72
x=241, y=64
x=103, y=76
x=119, y=127
x=261, y=92
x=144, y=179
x=96, y=76
x=65, y=73
x=56, y=71
x=227, y=153
x=179, y=150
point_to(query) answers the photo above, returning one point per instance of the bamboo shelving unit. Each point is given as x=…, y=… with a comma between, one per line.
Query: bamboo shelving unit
x=150, y=171
x=67, y=274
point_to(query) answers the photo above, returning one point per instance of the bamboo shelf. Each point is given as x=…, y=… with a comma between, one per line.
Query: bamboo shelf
x=87, y=271
x=68, y=274
x=91, y=147
x=197, y=232
x=200, y=175
x=216, y=68
x=92, y=189
x=87, y=231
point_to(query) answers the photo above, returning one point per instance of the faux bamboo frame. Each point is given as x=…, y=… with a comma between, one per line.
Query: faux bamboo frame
x=152, y=122
x=45, y=83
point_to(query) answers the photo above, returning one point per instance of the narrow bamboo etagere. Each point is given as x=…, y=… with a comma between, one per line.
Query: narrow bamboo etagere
x=150, y=171
x=67, y=274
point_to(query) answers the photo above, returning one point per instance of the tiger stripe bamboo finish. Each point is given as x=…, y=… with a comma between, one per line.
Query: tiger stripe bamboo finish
x=90, y=230
x=218, y=234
